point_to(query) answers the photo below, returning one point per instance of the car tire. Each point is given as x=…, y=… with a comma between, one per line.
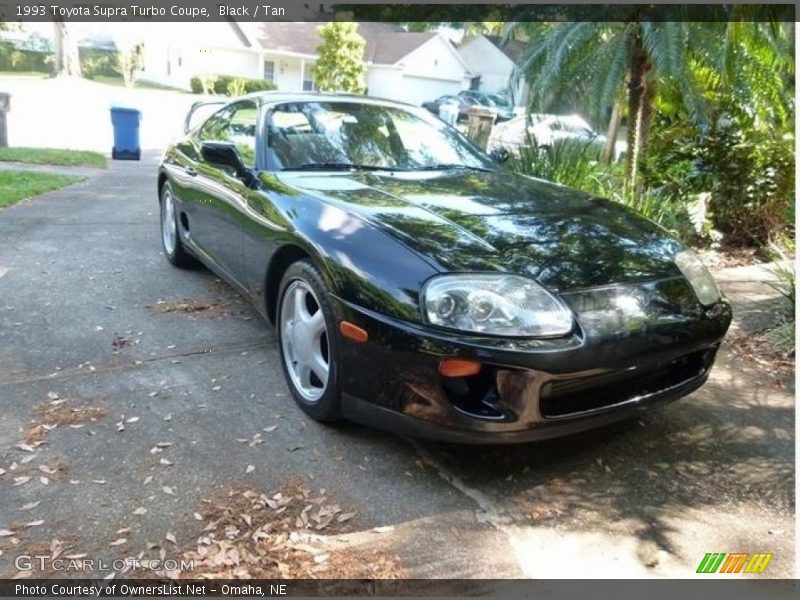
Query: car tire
x=170, y=232
x=308, y=340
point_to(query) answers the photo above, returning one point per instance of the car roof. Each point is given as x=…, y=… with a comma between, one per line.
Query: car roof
x=272, y=98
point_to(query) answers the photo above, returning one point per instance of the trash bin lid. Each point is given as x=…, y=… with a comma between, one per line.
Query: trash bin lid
x=123, y=108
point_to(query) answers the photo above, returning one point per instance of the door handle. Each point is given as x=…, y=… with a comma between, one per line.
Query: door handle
x=190, y=171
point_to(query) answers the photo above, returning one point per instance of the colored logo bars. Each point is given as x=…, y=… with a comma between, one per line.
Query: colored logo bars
x=735, y=562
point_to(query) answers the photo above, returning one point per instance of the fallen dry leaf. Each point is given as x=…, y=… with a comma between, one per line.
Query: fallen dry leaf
x=166, y=463
x=383, y=529
x=168, y=490
x=140, y=511
x=30, y=505
x=170, y=537
x=6, y=532
x=118, y=542
x=249, y=469
x=34, y=523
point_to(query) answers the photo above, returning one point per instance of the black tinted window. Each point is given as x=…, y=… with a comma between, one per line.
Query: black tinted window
x=235, y=124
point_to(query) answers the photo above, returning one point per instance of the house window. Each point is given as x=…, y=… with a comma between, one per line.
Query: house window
x=269, y=70
x=308, y=79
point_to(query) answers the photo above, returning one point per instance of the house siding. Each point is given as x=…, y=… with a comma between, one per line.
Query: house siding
x=493, y=66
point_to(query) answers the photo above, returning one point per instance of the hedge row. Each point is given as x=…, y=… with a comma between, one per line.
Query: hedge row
x=229, y=85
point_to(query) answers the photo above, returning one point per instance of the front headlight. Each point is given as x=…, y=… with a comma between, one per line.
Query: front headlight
x=698, y=276
x=504, y=305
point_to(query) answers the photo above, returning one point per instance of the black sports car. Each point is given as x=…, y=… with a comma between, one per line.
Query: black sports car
x=417, y=285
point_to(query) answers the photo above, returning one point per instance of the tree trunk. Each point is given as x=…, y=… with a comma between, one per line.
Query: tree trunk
x=609, y=151
x=67, y=61
x=640, y=111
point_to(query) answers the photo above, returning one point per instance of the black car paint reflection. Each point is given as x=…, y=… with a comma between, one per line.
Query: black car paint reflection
x=641, y=337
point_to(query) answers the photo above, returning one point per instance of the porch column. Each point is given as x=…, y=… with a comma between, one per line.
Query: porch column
x=302, y=72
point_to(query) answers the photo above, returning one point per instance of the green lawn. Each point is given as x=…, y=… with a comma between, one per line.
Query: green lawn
x=22, y=75
x=18, y=185
x=54, y=156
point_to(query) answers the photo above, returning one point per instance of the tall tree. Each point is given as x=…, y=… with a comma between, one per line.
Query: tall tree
x=67, y=61
x=340, y=66
x=594, y=64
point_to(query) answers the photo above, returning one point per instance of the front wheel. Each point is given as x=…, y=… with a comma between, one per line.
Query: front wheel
x=308, y=342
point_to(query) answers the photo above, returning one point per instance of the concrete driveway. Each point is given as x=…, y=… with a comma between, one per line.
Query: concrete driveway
x=169, y=364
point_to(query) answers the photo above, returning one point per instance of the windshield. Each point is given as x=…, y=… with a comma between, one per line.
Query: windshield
x=332, y=135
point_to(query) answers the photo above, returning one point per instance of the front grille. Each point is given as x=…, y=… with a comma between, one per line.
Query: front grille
x=567, y=397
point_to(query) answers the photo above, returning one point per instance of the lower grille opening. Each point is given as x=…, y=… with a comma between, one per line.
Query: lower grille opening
x=566, y=397
x=475, y=395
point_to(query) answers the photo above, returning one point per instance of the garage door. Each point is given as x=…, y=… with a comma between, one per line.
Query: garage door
x=416, y=90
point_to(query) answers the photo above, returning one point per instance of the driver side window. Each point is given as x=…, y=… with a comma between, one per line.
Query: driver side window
x=235, y=124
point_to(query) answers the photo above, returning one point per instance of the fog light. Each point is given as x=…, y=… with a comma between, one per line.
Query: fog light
x=457, y=367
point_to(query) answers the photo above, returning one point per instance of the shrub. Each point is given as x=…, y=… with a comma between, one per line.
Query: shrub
x=15, y=59
x=752, y=195
x=96, y=62
x=212, y=83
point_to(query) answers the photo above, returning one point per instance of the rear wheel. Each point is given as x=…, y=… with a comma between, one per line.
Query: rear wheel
x=170, y=235
x=308, y=342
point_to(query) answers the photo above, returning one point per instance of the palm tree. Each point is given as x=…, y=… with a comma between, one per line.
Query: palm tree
x=590, y=64
x=598, y=66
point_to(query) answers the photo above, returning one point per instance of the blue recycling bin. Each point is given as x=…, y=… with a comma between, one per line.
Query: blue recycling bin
x=126, y=133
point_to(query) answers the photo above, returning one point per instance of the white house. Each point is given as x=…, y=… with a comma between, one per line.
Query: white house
x=492, y=64
x=407, y=66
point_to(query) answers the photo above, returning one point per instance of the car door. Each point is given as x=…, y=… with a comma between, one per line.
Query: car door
x=217, y=215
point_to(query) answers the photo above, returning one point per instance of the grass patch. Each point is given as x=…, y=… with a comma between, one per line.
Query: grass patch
x=18, y=185
x=54, y=156
x=23, y=75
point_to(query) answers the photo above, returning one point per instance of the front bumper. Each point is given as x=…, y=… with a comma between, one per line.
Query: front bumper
x=527, y=389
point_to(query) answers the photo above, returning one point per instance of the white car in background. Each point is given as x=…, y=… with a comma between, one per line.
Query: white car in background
x=546, y=130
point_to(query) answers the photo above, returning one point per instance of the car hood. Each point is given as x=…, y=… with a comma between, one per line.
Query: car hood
x=498, y=221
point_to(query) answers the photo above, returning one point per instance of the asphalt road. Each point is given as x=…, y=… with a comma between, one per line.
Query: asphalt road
x=92, y=314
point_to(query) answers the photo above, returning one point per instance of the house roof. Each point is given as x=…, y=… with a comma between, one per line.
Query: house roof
x=385, y=43
x=511, y=48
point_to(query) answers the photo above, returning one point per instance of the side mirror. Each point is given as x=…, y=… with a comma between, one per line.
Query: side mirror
x=224, y=154
x=501, y=155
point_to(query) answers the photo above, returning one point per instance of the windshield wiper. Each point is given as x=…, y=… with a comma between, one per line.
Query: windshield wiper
x=445, y=166
x=337, y=167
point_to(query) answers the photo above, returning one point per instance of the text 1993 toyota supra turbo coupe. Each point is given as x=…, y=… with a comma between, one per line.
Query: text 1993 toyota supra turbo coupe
x=418, y=286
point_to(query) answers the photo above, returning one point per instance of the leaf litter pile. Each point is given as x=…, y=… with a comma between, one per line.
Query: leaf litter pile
x=287, y=534
x=57, y=412
x=194, y=308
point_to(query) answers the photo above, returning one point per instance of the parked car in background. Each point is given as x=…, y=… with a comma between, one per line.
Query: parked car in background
x=504, y=108
x=417, y=285
x=463, y=104
x=546, y=130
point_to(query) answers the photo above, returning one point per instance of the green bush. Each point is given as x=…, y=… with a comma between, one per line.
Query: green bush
x=570, y=163
x=228, y=85
x=98, y=63
x=746, y=168
x=13, y=59
x=752, y=195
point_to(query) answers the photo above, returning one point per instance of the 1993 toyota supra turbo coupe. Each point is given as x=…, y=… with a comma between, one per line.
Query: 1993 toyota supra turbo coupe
x=418, y=286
